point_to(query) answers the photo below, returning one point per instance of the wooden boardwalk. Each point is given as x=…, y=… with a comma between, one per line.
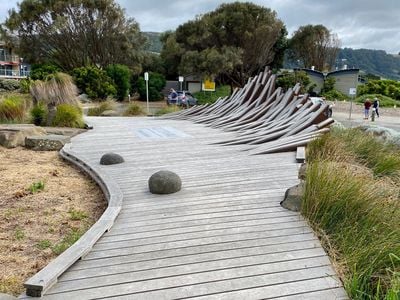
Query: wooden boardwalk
x=223, y=236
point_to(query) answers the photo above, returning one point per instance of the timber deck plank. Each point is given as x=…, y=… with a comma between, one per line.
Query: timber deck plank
x=223, y=236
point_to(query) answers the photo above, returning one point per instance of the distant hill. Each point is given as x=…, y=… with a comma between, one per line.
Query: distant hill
x=376, y=62
x=154, y=43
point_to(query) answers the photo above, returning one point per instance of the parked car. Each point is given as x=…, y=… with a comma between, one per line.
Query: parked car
x=184, y=98
x=321, y=100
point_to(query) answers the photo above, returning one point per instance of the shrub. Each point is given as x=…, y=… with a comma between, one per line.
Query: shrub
x=12, y=109
x=333, y=95
x=94, y=82
x=389, y=88
x=9, y=85
x=121, y=76
x=211, y=97
x=329, y=84
x=68, y=116
x=39, y=114
x=133, y=110
x=102, y=107
x=41, y=71
x=156, y=84
x=25, y=85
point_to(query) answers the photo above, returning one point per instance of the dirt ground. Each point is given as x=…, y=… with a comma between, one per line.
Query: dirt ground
x=45, y=204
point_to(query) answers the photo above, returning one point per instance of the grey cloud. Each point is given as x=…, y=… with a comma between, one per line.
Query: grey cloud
x=359, y=23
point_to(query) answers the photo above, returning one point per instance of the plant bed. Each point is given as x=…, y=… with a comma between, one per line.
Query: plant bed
x=45, y=205
x=352, y=200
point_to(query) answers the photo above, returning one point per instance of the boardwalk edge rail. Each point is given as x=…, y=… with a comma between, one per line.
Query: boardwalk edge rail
x=37, y=285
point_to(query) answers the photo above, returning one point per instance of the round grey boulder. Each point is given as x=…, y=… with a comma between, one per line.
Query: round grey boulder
x=111, y=159
x=164, y=182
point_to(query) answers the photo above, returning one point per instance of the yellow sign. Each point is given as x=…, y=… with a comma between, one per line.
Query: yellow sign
x=208, y=85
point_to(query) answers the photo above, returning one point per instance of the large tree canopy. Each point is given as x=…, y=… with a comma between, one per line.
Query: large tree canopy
x=74, y=33
x=314, y=45
x=236, y=40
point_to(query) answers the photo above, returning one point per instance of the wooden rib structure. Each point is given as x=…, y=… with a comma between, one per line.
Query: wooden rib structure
x=224, y=235
x=264, y=117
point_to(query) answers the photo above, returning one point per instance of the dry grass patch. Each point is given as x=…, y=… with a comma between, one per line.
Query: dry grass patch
x=45, y=205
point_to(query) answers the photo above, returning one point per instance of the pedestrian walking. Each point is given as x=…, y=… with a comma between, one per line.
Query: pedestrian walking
x=375, y=105
x=367, y=106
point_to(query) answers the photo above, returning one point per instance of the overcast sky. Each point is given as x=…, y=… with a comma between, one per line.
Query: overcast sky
x=370, y=24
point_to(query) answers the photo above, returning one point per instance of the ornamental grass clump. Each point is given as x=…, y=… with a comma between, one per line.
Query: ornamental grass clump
x=133, y=110
x=56, y=89
x=12, y=109
x=109, y=104
x=39, y=114
x=68, y=116
x=355, y=208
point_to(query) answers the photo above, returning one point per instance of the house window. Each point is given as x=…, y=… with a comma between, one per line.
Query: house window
x=6, y=71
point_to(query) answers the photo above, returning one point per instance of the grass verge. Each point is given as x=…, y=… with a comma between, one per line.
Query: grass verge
x=168, y=110
x=352, y=199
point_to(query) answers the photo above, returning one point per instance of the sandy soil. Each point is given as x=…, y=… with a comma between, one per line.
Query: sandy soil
x=34, y=224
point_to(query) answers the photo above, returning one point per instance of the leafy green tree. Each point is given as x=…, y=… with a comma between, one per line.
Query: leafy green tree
x=288, y=80
x=171, y=54
x=314, y=45
x=329, y=84
x=75, y=33
x=121, y=76
x=94, y=82
x=156, y=84
x=153, y=62
x=236, y=41
x=279, y=49
x=41, y=71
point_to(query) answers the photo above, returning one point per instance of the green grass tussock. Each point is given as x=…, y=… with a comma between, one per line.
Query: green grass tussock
x=382, y=158
x=352, y=198
x=102, y=107
x=168, y=110
x=68, y=116
x=39, y=114
x=133, y=110
x=12, y=109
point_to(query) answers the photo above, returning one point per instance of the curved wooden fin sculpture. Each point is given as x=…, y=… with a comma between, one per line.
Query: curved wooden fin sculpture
x=265, y=118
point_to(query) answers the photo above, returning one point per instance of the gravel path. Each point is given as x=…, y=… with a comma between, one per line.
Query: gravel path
x=389, y=117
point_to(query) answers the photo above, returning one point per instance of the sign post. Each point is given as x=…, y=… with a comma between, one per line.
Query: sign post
x=352, y=93
x=146, y=78
x=180, y=79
